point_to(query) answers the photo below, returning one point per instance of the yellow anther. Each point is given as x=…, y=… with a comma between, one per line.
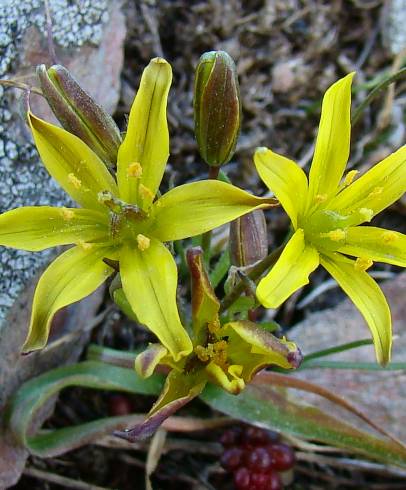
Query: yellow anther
x=389, y=237
x=134, y=170
x=201, y=353
x=143, y=242
x=145, y=193
x=67, y=214
x=337, y=235
x=349, y=178
x=77, y=183
x=362, y=264
x=214, y=326
x=366, y=213
x=319, y=198
x=84, y=245
x=377, y=191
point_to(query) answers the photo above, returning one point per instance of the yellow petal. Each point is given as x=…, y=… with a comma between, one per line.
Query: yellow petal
x=230, y=381
x=78, y=170
x=41, y=227
x=377, y=244
x=179, y=389
x=333, y=141
x=285, y=179
x=367, y=297
x=195, y=208
x=148, y=360
x=291, y=271
x=147, y=139
x=374, y=191
x=149, y=279
x=71, y=277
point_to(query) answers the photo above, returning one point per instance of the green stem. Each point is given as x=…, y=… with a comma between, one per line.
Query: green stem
x=336, y=349
x=254, y=274
x=371, y=96
x=206, y=238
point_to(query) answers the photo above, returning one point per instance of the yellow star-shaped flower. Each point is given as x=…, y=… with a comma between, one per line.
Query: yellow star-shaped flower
x=326, y=213
x=120, y=218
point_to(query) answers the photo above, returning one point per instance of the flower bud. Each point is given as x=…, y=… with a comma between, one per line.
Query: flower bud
x=78, y=113
x=248, y=239
x=217, y=108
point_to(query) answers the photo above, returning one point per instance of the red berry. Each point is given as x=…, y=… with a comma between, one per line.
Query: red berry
x=242, y=479
x=283, y=456
x=259, y=481
x=231, y=437
x=259, y=459
x=231, y=458
x=255, y=436
x=119, y=405
x=274, y=481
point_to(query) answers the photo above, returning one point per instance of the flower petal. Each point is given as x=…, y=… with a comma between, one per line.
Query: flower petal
x=70, y=277
x=367, y=297
x=148, y=360
x=333, y=141
x=78, y=170
x=231, y=381
x=374, y=191
x=147, y=139
x=41, y=227
x=179, y=390
x=285, y=179
x=149, y=279
x=277, y=351
x=205, y=305
x=290, y=272
x=192, y=209
x=377, y=244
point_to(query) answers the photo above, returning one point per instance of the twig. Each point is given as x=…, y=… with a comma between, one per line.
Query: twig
x=64, y=481
x=255, y=273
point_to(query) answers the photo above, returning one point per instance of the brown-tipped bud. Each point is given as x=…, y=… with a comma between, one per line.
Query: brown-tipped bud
x=78, y=113
x=248, y=239
x=217, y=107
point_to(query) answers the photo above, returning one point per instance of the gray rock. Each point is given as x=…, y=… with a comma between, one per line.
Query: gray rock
x=89, y=41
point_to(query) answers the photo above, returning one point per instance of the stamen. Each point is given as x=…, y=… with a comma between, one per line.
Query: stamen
x=319, y=198
x=84, y=245
x=377, y=191
x=77, y=183
x=134, y=169
x=143, y=242
x=337, y=235
x=389, y=237
x=67, y=214
x=349, y=178
x=366, y=213
x=202, y=353
x=145, y=193
x=362, y=264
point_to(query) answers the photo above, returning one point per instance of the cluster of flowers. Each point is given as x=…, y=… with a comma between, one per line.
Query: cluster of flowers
x=255, y=457
x=123, y=223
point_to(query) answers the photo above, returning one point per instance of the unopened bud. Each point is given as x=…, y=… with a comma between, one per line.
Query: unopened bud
x=248, y=239
x=217, y=108
x=78, y=113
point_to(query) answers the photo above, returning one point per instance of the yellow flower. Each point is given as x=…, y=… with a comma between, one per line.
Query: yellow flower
x=119, y=218
x=227, y=355
x=326, y=212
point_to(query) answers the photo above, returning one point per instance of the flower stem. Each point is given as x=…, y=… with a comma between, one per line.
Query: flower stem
x=371, y=96
x=254, y=274
x=206, y=238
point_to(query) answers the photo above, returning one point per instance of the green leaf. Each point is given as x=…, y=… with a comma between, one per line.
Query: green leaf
x=220, y=269
x=242, y=305
x=277, y=409
x=35, y=393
